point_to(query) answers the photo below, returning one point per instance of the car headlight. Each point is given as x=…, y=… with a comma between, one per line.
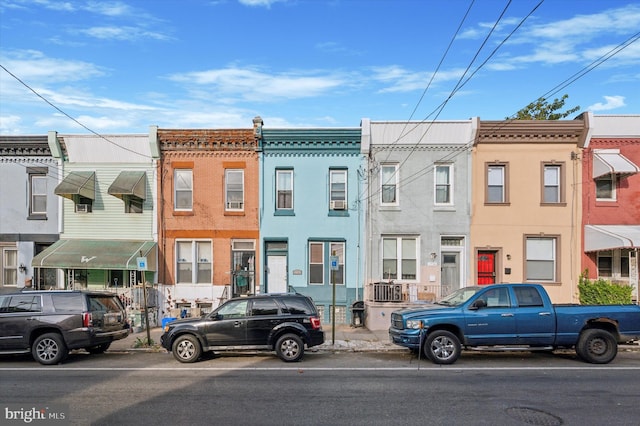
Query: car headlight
x=414, y=324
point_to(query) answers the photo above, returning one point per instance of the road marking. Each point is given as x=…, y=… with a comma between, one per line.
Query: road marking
x=443, y=368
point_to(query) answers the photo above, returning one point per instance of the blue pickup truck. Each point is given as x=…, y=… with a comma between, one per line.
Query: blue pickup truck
x=513, y=317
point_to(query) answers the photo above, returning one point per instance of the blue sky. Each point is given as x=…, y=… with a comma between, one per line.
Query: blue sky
x=121, y=66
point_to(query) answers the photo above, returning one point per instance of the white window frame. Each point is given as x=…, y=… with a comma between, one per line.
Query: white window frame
x=495, y=180
x=448, y=185
x=327, y=248
x=613, y=179
x=284, y=172
x=182, y=183
x=233, y=205
x=37, y=195
x=336, y=192
x=547, y=183
x=8, y=266
x=196, y=259
x=390, y=182
x=400, y=257
x=541, y=251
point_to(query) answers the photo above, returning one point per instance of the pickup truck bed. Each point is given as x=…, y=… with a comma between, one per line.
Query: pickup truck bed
x=513, y=317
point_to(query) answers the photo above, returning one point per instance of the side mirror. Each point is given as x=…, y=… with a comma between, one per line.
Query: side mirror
x=478, y=304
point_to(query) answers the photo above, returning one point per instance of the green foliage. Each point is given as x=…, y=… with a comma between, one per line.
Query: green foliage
x=543, y=110
x=603, y=292
x=143, y=343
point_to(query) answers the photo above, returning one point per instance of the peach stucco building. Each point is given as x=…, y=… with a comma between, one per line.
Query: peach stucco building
x=526, y=204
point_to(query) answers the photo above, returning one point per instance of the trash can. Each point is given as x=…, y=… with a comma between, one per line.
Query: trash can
x=357, y=314
x=167, y=320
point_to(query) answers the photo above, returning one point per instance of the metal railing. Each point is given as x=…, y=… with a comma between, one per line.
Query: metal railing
x=405, y=292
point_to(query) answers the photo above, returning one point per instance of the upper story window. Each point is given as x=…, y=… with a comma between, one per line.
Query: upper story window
x=234, y=189
x=497, y=189
x=389, y=184
x=37, y=192
x=194, y=261
x=338, y=190
x=284, y=189
x=551, y=190
x=541, y=258
x=183, y=189
x=443, y=184
x=606, y=187
x=400, y=258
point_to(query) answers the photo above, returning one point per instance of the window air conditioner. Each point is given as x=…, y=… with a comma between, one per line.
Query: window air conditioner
x=338, y=205
x=83, y=208
x=234, y=205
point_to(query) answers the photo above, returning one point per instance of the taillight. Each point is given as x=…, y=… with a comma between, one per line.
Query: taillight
x=315, y=323
x=87, y=320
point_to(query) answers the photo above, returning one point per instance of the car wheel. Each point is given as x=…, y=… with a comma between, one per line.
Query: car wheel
x=290, y=348
x=186, y=348
x=597, y=346
x=49, y=349
x=442, y=347
x=98, y=349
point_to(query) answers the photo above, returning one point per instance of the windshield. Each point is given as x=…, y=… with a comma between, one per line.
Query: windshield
x=458, y=297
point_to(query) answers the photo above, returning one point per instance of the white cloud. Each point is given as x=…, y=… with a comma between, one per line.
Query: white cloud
x=122, y=33
x=612, y=102
x=266, y=3
x=398, y=79
x=32, y=66
x=255, y=85
x=10, y=124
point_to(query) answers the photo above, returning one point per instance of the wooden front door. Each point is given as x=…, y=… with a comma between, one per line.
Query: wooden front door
x=486, y=267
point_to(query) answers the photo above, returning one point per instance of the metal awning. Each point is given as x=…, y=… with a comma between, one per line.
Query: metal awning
x=608, y=237
x=128, y=182
x=78, y=183
x=610, y=161
x=96, y=254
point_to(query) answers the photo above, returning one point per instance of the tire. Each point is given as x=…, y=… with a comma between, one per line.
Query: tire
x=442, y=347
x=597, y=346
x=49, y=349
x=98, y=349
x=290, y=347
x=186, y=348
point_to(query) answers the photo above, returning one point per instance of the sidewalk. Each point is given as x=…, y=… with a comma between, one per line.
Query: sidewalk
x=347, y=338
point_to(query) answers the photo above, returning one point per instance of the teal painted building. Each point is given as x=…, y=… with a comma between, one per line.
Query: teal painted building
x=311, y=215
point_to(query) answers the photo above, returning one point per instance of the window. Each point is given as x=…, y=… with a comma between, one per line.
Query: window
x=605, y=264
x=541, y=259
x=263, y=307
x=183, y=187
x=234, y=189
x=496, y=183
x=284, y=190
x=233, y=309
x=194, y=262
x=338, y=189
x=9, y=266
x=320, y=271
x=21, y=304
x=83, y=204
x=443, y=184
x=528, y=296
x=496, y=298
x=399, y=258
x=552, y=191
x=614, y=264
x=606, y=188
x=38, y=205
x=133, y=204
x=389, y=179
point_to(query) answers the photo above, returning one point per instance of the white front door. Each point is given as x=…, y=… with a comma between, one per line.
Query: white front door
x=276, y=274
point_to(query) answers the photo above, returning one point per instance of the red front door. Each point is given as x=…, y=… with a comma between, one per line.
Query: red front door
x=486, y=267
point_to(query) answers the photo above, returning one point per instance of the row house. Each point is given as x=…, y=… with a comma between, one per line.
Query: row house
x=207, y=217
x=526, y=202
x=29, y=210
x=418, y=212
x=611, y=199
x=311, y=215
x=108, y=237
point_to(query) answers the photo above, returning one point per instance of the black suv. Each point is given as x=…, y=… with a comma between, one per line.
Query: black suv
x=50, y=323
x=281, y=322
